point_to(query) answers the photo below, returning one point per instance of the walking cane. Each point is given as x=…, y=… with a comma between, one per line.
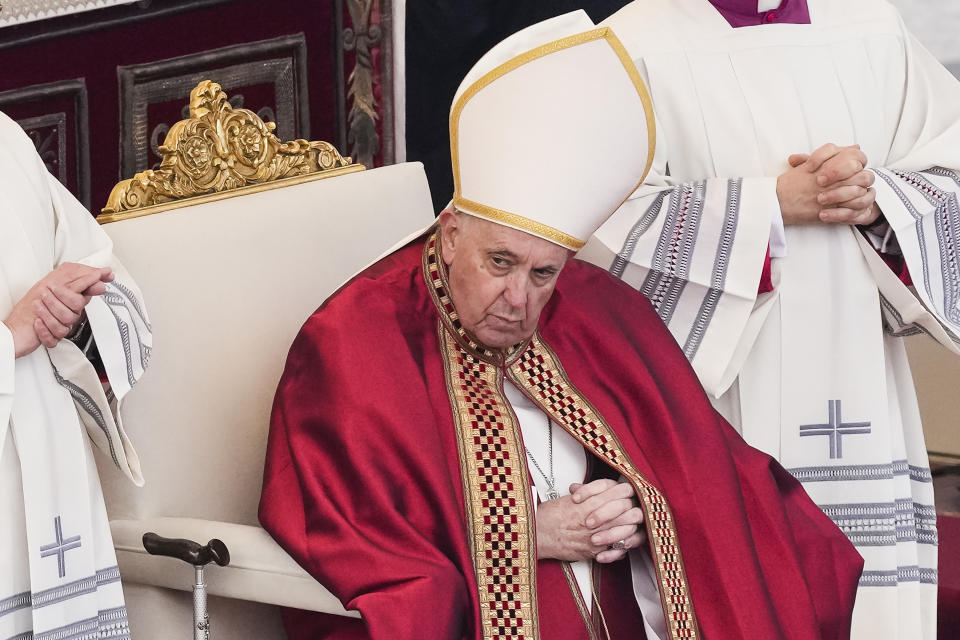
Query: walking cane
x=199, y=556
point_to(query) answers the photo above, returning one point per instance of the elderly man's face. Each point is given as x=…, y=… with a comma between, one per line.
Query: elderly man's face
x=500, y=278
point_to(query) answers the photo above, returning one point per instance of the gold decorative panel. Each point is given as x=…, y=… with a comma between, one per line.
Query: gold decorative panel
x=221, y=149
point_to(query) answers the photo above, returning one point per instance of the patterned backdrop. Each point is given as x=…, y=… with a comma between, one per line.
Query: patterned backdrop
x=322, y=69
x=98, y=89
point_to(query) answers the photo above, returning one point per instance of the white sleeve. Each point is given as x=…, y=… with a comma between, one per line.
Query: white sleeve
x=696, y=250
x=778, y=235
x=7, y=358
x=117, y=318
x=120, y=327
x=918, y=191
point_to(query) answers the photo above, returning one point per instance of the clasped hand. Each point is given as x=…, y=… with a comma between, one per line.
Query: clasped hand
x=53, y=306
x=830, y=185
x=582, y=525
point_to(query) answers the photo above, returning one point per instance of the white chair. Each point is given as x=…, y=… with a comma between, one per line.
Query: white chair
x=229, y=279
x=936, y=374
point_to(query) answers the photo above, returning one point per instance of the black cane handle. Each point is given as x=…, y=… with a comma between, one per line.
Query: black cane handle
x=187, y=550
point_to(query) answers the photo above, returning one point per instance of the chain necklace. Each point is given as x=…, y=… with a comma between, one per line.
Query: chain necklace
x=551, y=481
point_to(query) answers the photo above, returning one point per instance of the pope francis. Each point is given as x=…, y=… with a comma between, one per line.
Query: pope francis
x=481, y=437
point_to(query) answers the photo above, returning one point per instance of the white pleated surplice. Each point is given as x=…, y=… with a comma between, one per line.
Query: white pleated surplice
x=58, y=572
x=815, y=372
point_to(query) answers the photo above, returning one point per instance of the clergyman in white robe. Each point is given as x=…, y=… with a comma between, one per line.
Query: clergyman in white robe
x=813, y=372
x=58, y=572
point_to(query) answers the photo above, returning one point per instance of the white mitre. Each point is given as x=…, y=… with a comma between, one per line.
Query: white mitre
x=551, y=131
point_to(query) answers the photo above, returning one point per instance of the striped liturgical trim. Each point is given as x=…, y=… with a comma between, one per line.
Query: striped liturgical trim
x=844, y=473
x=59, y=593
x=880, y=524
x=109, y=623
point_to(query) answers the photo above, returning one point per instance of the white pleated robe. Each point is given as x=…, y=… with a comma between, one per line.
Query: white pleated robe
x=58, y=572
x=815, y=372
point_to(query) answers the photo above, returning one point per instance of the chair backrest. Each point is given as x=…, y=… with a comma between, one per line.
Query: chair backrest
x=228, y=284
x=234, y=240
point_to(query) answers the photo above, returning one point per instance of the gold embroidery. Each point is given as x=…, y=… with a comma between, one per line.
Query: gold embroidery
x=462, y=438
x=501, y=526
x=496, y=483
x=538, y=371
x=518, y=222
x=638, y=82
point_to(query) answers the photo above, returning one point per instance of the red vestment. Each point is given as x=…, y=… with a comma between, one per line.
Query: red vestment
x=370, y=479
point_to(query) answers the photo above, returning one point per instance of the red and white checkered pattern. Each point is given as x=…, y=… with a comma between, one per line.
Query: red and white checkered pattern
x=538, y=369
x=492, y=462
x=493, y=465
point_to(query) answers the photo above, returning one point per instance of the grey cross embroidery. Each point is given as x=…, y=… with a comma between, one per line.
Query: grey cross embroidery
x=835, y=429
x=59, y=547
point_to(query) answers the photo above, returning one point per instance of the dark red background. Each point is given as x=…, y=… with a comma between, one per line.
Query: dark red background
x=96, y=55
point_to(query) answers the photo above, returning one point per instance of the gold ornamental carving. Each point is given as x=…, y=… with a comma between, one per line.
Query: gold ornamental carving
x=221, y=149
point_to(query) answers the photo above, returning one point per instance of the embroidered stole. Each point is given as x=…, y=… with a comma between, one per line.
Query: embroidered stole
x=58, y=571
x=501, y=527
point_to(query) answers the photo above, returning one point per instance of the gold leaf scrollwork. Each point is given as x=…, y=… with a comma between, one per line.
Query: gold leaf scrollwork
x=218, y=149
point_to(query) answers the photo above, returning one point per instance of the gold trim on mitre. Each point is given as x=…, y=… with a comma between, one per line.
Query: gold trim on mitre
x=514, y=219
x=518, y=222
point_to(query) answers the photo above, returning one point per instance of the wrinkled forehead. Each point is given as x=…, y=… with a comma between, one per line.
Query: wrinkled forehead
x=487, y=235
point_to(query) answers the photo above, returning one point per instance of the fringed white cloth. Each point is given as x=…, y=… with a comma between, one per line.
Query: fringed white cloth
x=58, y=572
x=815, y=372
